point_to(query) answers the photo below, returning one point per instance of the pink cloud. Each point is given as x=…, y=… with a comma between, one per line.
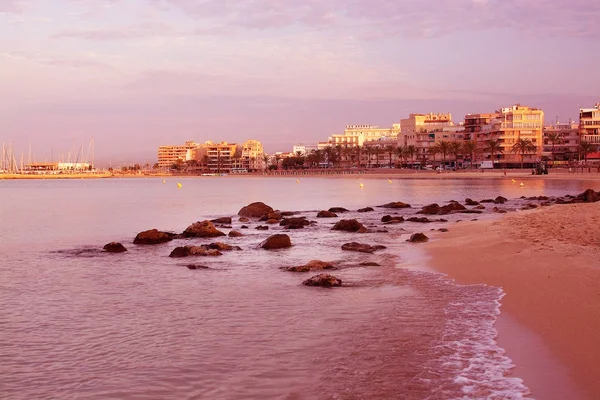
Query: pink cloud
x=11, y=6
x=141, y=30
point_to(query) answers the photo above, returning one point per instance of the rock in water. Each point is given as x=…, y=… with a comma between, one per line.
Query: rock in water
x=279, y=241
x=153, y=236
x=178, y=252
x=311, y=266
x=362, y=248
x=348, y=225
x=235, y=234
x=114, y=247
x=338, y=210
x=431, y=209
x=396, y=204
x=202, y=229
x=418, y=238
x=294, y=222
x=589, y=196
x=366, y=209
x=323, y=280
x=255, y=210
x=500, y=200
x=326, y=214
x=222, y=220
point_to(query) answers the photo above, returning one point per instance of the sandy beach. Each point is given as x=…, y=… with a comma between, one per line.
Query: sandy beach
x=548, y=263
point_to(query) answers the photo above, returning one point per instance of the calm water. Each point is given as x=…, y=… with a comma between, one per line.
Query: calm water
x=79, y=323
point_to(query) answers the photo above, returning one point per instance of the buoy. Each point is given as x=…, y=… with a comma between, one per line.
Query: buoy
x=164, y=181
x=361, y=185
x=513, y=180
x=297, y=180
x=179, y=185
x=389, y=181
x=522, y=184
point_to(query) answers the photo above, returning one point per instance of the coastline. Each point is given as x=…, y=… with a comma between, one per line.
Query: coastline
x=332, y=174
x=546, y=261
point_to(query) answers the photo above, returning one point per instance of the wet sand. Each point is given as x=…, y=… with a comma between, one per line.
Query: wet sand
x=548, y=263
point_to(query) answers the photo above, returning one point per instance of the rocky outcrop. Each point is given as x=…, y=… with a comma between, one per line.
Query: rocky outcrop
x=423, y=220
x=435, y=209
x=323, y=280
x=479, y=207
x=487, y=201
x=431, y=209
x=443, y=230
x=498, y=210
x=538, y=198
x=260, y=228
x=349, y=225
x=366, y=209
x=311, y=266
x=470, y=202
x=153, y=236
x=388, y=219
x=418, y=238
x=235, y=234
x=338, y=210
x=222, y=220
x=361, y=248
x=589, y=196
x=294, y=222
x=369, y=264
x=326, y=214
x=500, y=200
x=275, y=215
x=279, y=241
x=243, y=219
x=396, y=204
x=185, y=251
x=222, y=246
x=114, y=247
x=202, y=229
x=255, y=210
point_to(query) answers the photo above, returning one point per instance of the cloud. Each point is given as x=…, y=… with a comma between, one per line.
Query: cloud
x=412, y=18
x=141, y=30
x=11, y=6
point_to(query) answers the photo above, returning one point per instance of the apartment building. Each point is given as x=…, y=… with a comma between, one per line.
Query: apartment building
x=589, y=123
x=561, y=141
x=357, y=135
x=218, y=157
x=424, y=130
x=507, y=125
x=170, y=155
x=252, y=155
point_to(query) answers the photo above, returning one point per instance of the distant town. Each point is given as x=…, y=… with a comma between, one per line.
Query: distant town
x=512, y=137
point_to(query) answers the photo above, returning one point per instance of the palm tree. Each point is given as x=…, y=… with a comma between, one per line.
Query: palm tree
x=390, y=149
x=266, y=160
x=330, y=154
x=553, y=138
x=523, y=146
x=456, y=149
x=470, y=148
x=433, y=151
x=338, y=155
x=358, y=150
x=586, y=148
x=400, y=154
x=443, y=148
x=411, y=150
x=369, y=151
x=493, y=146
x=377, y=151
x=252, y=163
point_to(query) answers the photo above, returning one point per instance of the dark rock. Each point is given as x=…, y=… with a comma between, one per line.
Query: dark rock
x=500, y=200
x=470, y=202
x=272, y=221
x=186, y=251
x=223, y=246
x=396, y=204
x=152, y=236
x=196, y=266
x=279, y=241
x=235, y=234
x=222, y=220
x=418, y=238
x=275, y=215
x=114, y=247
x=244, y=227
x=323, y=280
x=369, y=264
x=479, y=207
x=287, y=213
x=538, y=198
x=431, y=209
x=388, y=219
x=261, y=228
x=452, y=207
x=349, y=225
x=589, y=196
x=294, y=222
x=179, y=252
x=498, y=210
x=311, y=266
x=529, y=206
x=419, y=219
x=202, y=229
x=338, y=210
x=326, y=214
x=255, y=210
x=487, y=201
x=362, y=248
x=244, y=219
x=471, y=212
x=366, y=209
x=443, y=230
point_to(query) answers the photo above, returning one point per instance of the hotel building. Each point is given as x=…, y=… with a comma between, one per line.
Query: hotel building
x=357, y=135
x=170, y=155
x=589, y=123
x=507, y=125
x=424, y=130
x=561, y=141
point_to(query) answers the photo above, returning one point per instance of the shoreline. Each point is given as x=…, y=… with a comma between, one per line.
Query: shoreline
x=546, y=261
x=333, y=174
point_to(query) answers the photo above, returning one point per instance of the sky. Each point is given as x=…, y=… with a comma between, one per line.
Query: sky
x=136, y=74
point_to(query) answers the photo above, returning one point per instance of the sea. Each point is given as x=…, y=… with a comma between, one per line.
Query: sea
x=80, y=323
